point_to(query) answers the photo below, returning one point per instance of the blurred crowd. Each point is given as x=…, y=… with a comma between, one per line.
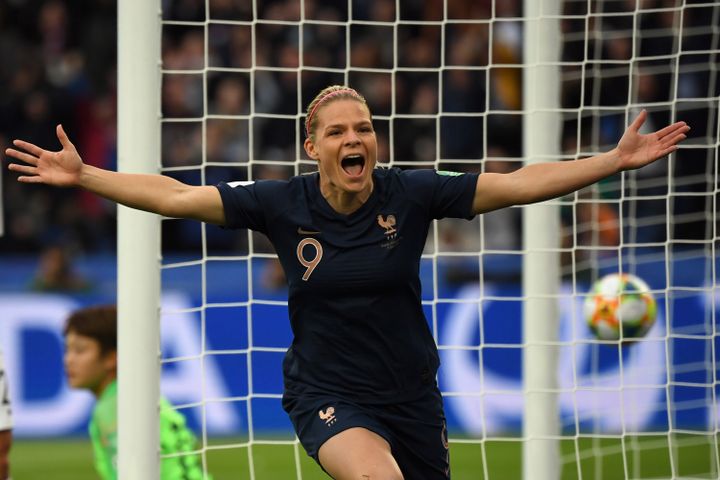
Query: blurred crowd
x=58, y=67
x=447, y=96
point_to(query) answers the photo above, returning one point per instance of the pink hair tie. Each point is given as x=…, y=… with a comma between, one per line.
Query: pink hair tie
x=322, y=100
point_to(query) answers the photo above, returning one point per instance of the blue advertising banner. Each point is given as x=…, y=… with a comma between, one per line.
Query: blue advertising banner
x=230, y=375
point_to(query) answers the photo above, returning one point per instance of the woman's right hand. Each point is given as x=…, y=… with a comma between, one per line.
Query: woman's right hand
x=149, y=192
x=61, y=169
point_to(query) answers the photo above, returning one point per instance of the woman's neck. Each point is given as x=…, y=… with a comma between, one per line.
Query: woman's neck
x=342, y=201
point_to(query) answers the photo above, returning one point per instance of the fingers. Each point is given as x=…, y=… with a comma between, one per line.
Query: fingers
x=672, y=129
x=638, y=122
x=32, y=179
x=28, y=147
x=669, y=142
x=30, y=174
x=26, y=169
x=62, y=136
x=22, y=156
x=672, y=140
x=667, y=151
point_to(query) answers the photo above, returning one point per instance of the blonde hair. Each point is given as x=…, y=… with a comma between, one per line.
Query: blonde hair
x=333, y=92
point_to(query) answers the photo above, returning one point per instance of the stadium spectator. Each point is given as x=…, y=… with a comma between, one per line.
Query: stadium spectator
x=350, y=239
x=6, y=423
x=91, y=363
x=56, y=274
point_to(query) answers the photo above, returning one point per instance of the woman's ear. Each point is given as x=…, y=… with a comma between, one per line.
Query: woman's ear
x=310, y=149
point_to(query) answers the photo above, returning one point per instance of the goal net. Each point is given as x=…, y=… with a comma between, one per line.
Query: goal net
x=444, y=81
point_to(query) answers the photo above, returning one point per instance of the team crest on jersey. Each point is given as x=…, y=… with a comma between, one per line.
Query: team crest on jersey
x=388, y=222
x=328, y=416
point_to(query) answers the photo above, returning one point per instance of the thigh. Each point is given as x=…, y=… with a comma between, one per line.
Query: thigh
x=358, y=453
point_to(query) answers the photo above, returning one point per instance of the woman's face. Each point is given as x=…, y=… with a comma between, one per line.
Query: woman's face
x=345, y=146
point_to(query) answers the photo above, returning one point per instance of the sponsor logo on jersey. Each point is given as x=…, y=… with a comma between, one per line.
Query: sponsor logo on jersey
x=328, y=416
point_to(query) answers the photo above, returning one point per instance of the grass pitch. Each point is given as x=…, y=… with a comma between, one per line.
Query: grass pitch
x=647, y=457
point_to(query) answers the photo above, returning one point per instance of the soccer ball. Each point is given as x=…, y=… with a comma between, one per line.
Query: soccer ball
x=620, y=306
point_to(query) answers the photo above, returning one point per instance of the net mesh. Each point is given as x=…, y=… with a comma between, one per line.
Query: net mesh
x=444, y=81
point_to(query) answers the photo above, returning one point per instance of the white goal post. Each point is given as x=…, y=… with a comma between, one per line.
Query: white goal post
x=542, y=132
x=138, y=241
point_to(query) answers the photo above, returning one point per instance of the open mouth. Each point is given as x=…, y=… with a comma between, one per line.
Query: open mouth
x=353, y=164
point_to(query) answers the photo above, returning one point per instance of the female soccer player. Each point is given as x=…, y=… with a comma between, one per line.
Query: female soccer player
x=91, y=363
x=360, y=383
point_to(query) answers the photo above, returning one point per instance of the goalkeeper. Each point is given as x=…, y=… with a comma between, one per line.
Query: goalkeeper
x=360, y=374
x=91, y=363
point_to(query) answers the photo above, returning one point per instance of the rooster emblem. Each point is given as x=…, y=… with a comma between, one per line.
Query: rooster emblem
x=388, y=223
x=328, y=415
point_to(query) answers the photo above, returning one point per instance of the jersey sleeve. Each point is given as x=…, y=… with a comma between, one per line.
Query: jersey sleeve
x=443, y=194
x=250, y=204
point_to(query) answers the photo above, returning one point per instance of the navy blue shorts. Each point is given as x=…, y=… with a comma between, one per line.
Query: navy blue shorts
x=416, y=431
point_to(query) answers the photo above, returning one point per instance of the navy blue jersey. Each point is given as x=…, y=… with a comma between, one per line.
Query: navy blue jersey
x=354, y=285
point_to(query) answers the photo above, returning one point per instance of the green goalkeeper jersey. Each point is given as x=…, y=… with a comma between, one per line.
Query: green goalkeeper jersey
x=175, y=437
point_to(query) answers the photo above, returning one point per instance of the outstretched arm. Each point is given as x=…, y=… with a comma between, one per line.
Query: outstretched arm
x=538, y=182
x=153, y=193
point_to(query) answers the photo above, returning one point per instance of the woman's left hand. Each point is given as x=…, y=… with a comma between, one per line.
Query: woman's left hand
x=636, y=150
